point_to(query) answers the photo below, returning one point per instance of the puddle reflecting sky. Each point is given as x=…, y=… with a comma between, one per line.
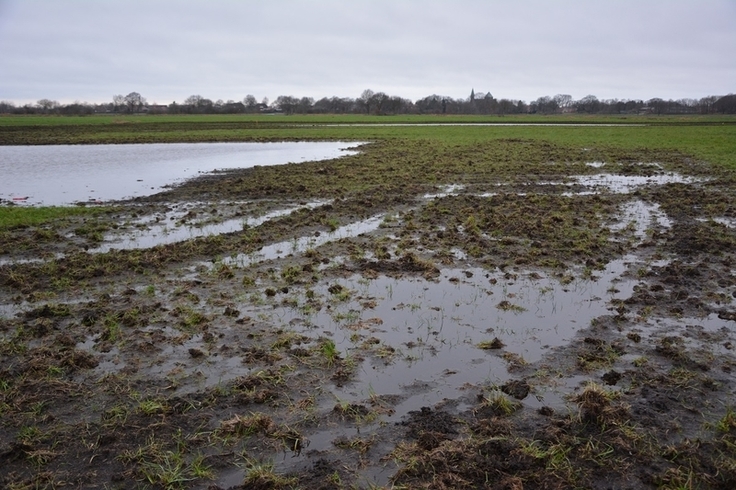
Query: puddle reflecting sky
x=435, y=327
x=167, y=231
x=301, y=244
x=63, y=174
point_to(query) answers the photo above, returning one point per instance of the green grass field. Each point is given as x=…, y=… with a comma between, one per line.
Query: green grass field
x=710, y=138
x=21, y=216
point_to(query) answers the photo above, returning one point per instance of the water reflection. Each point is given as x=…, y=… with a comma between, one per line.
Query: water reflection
x=63, y=174
x=164, y=231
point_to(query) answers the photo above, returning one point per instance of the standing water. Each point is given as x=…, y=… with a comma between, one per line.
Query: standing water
x=63, y=174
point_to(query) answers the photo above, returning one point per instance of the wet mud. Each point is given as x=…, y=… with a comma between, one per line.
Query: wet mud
x=510, y=314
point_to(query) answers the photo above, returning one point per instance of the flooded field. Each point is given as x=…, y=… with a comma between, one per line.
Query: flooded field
x=63, y=174
x=508, y=314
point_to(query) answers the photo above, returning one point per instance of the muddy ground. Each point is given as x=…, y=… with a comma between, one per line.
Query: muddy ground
x=415, y=316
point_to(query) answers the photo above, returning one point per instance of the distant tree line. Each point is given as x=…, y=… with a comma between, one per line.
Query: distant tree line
x=380, y=103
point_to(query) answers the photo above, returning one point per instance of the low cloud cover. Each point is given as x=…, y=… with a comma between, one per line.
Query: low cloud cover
x=167, y=50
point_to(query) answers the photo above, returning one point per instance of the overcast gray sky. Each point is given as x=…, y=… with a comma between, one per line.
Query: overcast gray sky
x=167, y=50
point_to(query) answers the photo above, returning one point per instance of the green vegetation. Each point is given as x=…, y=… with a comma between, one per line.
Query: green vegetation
x=23, y=216
x=711, y=138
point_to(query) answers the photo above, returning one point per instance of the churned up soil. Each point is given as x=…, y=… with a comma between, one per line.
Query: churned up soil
x=506, y=314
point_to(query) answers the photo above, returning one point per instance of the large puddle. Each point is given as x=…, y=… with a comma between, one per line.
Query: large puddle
x=432, y=338
x=63, y=174
x=433, y=331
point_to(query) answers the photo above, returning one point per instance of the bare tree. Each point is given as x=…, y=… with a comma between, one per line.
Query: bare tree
x=305, y=105
x=199, y=104
x=725, y=104
x=589, y=104
x=544, y=105
x=47, y=105
x=432, y=104
x=706, y=104
x=286, y=103
x=365, y=100
x=250, y=103
x=134, y=102
x=118, y=102
x=564, y=101
x=378, y=101
x=333, y=105
x=194, y=100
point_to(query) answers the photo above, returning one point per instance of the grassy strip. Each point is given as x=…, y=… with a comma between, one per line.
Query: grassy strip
x=708, y=138
x=22, y=216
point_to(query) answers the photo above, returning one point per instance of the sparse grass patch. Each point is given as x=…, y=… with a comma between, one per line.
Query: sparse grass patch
x=152, y=407
x=727, y=423
x=360, y=444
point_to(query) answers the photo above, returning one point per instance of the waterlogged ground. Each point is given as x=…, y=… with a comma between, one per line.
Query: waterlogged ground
x=507, y=314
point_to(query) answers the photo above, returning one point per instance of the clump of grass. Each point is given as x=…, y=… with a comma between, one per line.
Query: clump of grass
x=491, y=344
x=499, y=404
x=329, y=351
x=471, y=225
x=555, y=456
x=595, y=405
x=353, y=411
x=93, y=232
x=152, y=407
x=259, y=474
x=506, y=305
x=598, y=355
x=291, y=274
x=727, y=423
x=168, y=471
x=224, y=271
x=358, y=444
x=246, y=426
x=112, y=331
x=190, y=320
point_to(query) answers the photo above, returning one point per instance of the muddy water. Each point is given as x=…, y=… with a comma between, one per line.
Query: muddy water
x=429, y=334
x=301, y=244
x=63, y=174
x=165, y=229
x=432, y=330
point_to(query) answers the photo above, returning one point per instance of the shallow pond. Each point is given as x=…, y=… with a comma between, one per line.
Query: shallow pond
x=63, y=174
